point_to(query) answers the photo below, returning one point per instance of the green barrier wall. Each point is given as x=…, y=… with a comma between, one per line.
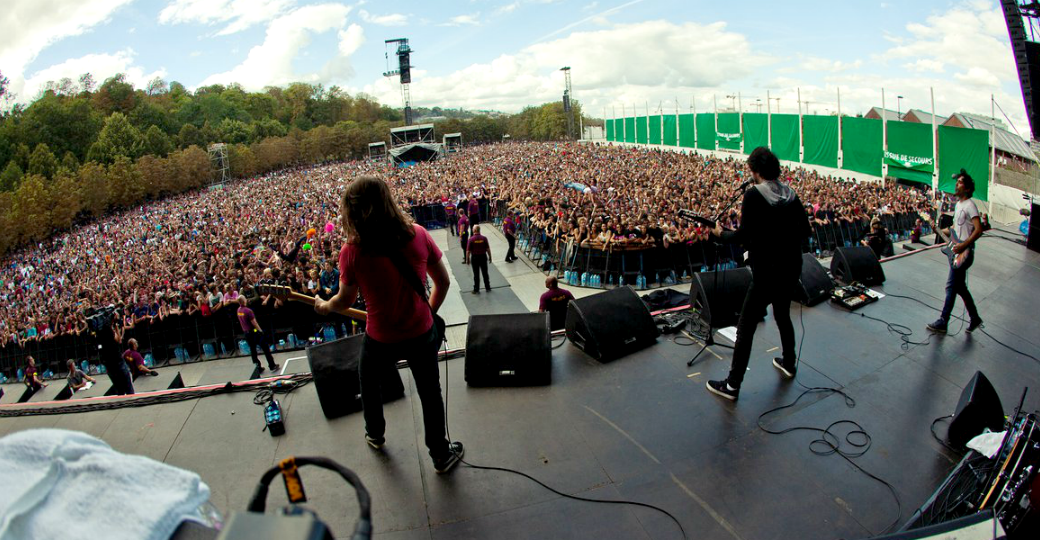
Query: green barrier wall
x=609, y=125
x=686, y=133
x=966, y=149
x=729, y=131
x=909, y=153
x=670, y=124
x=861, y=145
x=630, y=130
x=641, y=130
x=785, y=136
x=756, y=131
x=655, y=130
x=820, y=140
x=706, y=131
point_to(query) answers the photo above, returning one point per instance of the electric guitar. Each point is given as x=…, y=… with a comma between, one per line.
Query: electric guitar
x=690, y=215
x=956, y=259
x=283, y=293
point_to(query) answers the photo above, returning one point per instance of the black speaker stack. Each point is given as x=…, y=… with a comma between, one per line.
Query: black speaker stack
x=610, y=324
x=508, y=350
x=978, y=408
x=857, y=264
x=334, y=365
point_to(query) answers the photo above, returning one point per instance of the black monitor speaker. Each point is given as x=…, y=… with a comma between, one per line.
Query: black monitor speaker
x=610, y=324
x=814, y=285
x=978, y=408
x=334, y=365
x=1033, y=241
x=508, y=350
x=719, y=296
x=857, y=264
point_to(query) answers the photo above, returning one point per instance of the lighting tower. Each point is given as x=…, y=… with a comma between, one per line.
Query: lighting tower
x=567, y=101
x=404, y=69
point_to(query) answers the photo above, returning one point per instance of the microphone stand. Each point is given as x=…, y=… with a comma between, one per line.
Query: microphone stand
x=710, y=339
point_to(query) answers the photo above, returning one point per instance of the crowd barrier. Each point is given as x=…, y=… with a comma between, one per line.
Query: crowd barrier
x=434, y=216
x=182, y=338
x=642, y=267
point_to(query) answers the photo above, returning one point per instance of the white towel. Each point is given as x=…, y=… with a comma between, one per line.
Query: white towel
x=70, y=485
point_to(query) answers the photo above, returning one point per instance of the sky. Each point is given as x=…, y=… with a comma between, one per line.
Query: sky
x=647, y=55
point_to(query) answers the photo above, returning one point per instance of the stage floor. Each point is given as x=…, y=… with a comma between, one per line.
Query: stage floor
x=642, y=428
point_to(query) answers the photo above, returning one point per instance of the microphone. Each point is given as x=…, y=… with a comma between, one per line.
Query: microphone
x=744, y=185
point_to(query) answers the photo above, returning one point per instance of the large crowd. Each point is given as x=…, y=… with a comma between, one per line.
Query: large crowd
x=198, y=252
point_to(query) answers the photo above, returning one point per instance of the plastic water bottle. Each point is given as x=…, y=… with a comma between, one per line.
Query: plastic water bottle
x=292, y=341
x=148, y=360
x=243, y=346
x=620, y=281
x=611, y=282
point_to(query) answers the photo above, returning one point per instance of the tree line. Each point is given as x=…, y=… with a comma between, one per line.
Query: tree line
x=80, y=149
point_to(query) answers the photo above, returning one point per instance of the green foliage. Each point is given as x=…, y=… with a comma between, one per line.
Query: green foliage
x=119, y=138
x=156, y=142
x=189, y=135
x=11, y=177
x=43, y=162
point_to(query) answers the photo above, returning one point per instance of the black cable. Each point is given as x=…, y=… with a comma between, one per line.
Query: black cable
x=939, y=439
x=562, y=341
x=831, y=444
x=447, y=431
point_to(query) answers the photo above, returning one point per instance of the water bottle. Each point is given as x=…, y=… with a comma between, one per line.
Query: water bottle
x=281, y=344
x=292, y=341
x=208, y=351
x=243, y=347
x=611, y=282
x=585, y=279
x=620, y=281
x=148, y=360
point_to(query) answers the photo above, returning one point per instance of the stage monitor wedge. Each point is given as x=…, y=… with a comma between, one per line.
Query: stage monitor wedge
x=978, y=408
x=334, y=365
x=857, y=264
x=814, y=285
x=610, y=324
x=508, y=350
x=719, y=296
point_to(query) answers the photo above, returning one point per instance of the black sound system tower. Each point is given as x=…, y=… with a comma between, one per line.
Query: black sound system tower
x=1033, y=241
x=610, y=324
x=857, y=264
x=508, y=350
x=334, y=365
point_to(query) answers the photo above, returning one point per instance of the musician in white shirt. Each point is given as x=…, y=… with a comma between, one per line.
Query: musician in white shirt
x=966, y=229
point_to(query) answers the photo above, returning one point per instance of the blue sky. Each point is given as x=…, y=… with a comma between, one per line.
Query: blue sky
x=504, y=54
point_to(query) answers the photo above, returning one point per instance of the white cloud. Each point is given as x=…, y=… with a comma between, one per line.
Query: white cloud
x=599, y=18
x=464, y=20
x=394, y=19
x=239, y=14
x=508, y=8
x=633, y=74
x=101, y=66
x=926, y=65
x=587, y=7
x=828, y=66
x=30, y=27
x=270, y=63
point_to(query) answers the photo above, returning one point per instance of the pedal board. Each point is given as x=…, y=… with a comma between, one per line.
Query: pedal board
x=853, y=297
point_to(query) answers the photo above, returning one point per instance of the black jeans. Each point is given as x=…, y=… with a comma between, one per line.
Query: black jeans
x=453, y=224
x=421, y=353
x=957, y=284
x=119, y=374
x=760, y=295
x=464, y=243
x=510, y=255
x=479, y=261
x=255, y=340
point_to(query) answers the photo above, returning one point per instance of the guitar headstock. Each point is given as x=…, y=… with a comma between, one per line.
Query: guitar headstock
x=280, y=292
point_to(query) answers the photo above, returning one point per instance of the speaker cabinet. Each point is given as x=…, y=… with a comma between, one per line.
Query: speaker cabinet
x=814, y=285
x=857, y=264
x=508, y=350
x=610, y=324
x=1033, y=240
x=719, y=296
x=978, y=408
x=334, y=365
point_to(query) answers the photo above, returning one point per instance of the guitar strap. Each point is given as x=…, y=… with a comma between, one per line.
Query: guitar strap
x=413, y=279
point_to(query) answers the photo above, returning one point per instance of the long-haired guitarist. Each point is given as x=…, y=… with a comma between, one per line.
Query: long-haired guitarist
x=966, y=229
x=382, y=244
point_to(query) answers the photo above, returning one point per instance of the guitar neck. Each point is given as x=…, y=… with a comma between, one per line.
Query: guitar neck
x=355, y=314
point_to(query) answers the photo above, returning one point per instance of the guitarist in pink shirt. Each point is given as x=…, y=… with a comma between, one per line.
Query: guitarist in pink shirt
x=966, y=229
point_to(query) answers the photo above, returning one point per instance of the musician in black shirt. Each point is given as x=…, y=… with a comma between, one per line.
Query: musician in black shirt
x=773, y=226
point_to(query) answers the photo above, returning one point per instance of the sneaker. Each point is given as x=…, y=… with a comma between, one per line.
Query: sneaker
x=259, y=369
x=721, y=388
x=487, y=289
x=448, y=463
x=788, y=371
x=939, y=326
x=153, y=373
x=375, y=442
x=274, y=367
x=974, y=325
